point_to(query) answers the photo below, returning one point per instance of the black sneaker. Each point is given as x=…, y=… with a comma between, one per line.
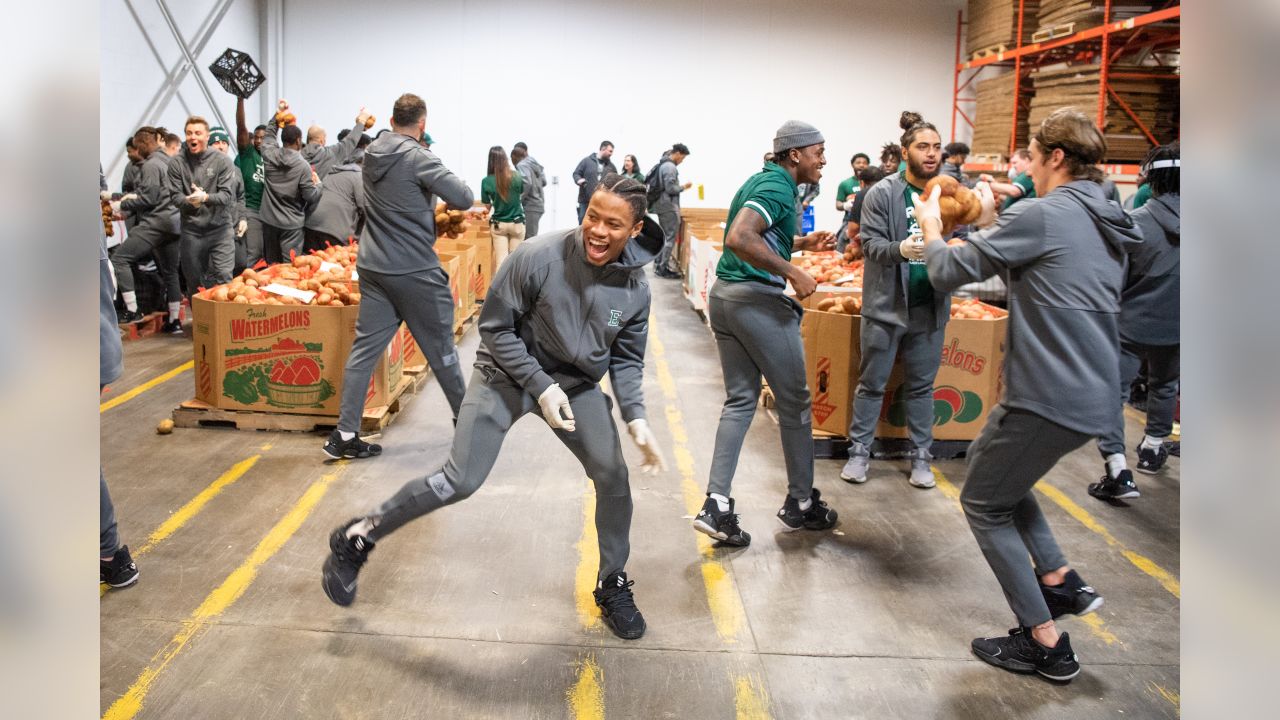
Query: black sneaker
x=1072, y=597
x=337, y=448
x=1150, y=461
x=819, y=516
x=722, y=526
x=618, y=606
x=129, y=317
x=1120, y=487
x=172, y=327
x=1019, y=652
x=343, y=564
x=120, y=571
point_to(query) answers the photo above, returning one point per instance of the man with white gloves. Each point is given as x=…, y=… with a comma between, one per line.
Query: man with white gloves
x=563, y=310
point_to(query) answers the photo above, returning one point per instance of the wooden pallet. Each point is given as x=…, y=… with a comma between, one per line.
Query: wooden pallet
x=197, y=414
x=988, y=52
x=147, y=326
x=1053, y=32
x=831, y=446
x=766, y=397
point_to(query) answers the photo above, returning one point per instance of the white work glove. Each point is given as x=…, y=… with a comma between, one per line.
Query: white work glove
x=197, y=197
x=128, y=196
x=115, y=206
x=911, y=249
x=988, y=201
x=553, y=402
x=242, y=227
x=105, y=196
x=648, y=444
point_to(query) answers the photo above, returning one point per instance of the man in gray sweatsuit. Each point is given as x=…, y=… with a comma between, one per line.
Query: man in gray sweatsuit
x=563, y=310
x=901, y=313
x=292, y=189
x=1065, y=254
x=340, y=209
x=667, y=207
x=400, y=274
x=156, y=231
x=201, y=184
x=324, y=158
x=532, y=197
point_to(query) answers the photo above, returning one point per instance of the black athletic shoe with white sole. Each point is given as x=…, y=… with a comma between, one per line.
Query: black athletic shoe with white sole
x=618, y=606
x=722, y=526
x=1019, y=652
x=172, y=327
x=1151, y=460
x=1072, y=597
x=120, y=571
x=819, y=516
x=1120, y=487
x=128, y=317
x=337, y=448
x=341, y=568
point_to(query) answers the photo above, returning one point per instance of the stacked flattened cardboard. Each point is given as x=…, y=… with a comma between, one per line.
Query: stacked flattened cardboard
x=1153, y=100
x=993, y=115
x=1073, y=16
x=994, y=23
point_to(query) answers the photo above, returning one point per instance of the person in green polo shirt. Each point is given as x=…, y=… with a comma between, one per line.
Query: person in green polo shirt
x=901, y=312
x=500, y=192
x=253, y=173
x=1020, y=187
x=849, y=187
x=757, y=330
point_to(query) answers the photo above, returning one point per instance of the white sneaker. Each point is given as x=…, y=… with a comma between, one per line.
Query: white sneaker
x=922, y=474
x=855, y=471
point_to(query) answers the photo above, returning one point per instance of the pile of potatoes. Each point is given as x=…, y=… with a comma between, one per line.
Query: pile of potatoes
x=845, y=304
x=332, y=287
x=830, y=268
x=975, y=310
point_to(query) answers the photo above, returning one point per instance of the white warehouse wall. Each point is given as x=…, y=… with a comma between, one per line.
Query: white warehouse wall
x=561, y=75
x=131, y=74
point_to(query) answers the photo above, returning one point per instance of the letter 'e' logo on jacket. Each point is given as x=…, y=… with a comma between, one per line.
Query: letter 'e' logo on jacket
x=614, y=317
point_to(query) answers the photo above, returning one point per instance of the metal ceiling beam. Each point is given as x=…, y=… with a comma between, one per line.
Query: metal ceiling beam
x=154, y=52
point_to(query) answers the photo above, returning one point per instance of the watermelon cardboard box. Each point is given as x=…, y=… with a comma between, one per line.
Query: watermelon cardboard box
x=277, y=358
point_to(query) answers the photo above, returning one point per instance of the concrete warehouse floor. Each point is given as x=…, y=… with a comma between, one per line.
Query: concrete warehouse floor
x=483, y=610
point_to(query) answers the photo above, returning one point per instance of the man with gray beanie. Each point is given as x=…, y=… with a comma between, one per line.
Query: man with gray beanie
x=757, y=331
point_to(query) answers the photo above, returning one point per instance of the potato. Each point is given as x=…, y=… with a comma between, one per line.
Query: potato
x=241, y=299
x=826, y=304
x=324, y=298
x=165, y=427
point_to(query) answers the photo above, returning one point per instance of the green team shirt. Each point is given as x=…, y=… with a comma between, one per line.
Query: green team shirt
x=1028, y=190
x=771, y=193
x=848, y=186
x=1142, y=196
x=254, y=174
x=919, y=290
x=637, y=176
x=509, y=210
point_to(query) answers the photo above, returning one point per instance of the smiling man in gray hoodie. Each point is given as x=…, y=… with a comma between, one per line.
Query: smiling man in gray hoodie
x=400, y=274
x=1065, y=254
x=563, y=311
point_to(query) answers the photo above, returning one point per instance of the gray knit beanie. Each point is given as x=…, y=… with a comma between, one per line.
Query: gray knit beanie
x=795, y=134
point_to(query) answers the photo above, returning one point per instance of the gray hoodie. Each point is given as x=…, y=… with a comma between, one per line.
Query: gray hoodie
x=552, y=317
x=215, y=173
x=1065, y=254
x=153, y=204
x=401, y=182
x=325, y=158
x=288, y=192
x=341, y=204
x=535, y=178
x=1149, y=309
x=669, y=177
x=885, y=272
x=110, y=351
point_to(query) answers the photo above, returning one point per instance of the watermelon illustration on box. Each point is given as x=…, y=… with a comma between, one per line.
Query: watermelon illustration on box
x=949, y=405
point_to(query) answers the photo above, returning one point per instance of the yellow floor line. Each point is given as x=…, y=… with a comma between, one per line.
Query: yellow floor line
x=586, y=698
x=135, y=392
x=1164, y=577
x=191, y=509
x=588, y=563
x=1172, y=697
x=1097, y=626
x=723, y=598
x=750, y=699
x=217, y=602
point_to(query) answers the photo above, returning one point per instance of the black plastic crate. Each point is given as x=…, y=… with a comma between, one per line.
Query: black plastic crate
x=237, y=73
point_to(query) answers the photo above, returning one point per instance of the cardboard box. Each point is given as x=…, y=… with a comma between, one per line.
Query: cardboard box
x=386, y=376
x=449, y=263
x=483, y=248
x=280, y=358
x=702, y=223
x=831, y=367
x=466, y=257
x=703, y=259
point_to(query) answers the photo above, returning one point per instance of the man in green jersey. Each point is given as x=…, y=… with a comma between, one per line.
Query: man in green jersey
x=757, y=330
x=249, y=161
x=849, y=187
x=1020, y=187
x=900, y=309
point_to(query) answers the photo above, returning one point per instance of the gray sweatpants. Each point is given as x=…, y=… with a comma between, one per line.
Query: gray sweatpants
x=278, y=242
x=921, y=346
x=493, y=404
x=531, y=220
x=669, y=221
x=249, y=245
x=424, y=302
x=208, y=256
x=1163, y=368
x=108, y=536
x=149, y=239
x=1013, y=451
x=757, y=331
